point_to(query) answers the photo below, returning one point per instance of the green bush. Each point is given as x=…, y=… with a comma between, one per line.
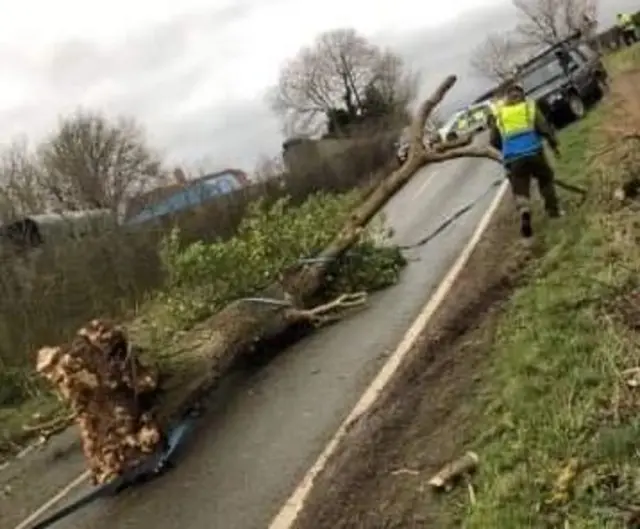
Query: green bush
x=203, y=277
x=367, y=266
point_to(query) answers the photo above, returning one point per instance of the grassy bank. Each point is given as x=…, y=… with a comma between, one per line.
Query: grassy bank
x=559, y=437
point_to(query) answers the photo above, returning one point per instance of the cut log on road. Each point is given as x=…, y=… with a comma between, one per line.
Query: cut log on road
x=236, y=329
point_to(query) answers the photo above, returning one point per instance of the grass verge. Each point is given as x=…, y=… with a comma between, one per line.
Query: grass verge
x=560, y=428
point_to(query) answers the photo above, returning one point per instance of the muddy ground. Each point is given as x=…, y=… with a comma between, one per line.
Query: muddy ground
x=379, y=478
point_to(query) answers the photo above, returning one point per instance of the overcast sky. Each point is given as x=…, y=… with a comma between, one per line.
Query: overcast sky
x=194, y=72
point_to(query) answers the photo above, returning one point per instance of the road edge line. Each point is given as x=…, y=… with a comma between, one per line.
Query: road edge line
x=289, y=512
x=62, y=493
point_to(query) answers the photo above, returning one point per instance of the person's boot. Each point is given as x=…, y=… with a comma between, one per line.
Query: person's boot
x=551, y=203
x=526, y=229
x=555, y=213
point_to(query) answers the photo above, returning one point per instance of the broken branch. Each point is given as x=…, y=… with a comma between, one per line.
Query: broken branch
x=48, y=429
x=468, y=152
x=451, y=472
x=329, y=312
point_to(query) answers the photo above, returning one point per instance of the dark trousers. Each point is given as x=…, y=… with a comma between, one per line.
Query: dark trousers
x=521, y=171
x=629, y=36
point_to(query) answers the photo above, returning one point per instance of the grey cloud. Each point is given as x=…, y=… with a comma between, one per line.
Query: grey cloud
x=155, y=97
x=150, y=100
x=74, y=63
x=233, y=135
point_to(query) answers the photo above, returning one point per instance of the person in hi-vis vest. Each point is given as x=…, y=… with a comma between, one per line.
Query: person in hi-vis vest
x=517, y=130
x=627, y=28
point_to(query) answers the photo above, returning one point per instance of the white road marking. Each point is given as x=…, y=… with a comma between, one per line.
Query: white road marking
x=288, y=514
x=290, y=511
x=52, y=501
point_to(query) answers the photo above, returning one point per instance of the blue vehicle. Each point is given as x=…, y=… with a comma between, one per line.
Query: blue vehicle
x=185, y=195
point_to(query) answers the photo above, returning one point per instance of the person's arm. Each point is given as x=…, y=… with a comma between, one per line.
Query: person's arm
x=546, y=130
x=495, y=140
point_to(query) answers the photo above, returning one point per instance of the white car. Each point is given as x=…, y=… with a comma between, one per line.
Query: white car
x=470, y=120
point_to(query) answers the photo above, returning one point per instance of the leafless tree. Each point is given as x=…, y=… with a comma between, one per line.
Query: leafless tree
x=20, y=176
x=269, y=167
x=204, y=165
x=545, y=22
x=541, y=23
x=496, y=56
x=391, y=79
x=92, y=162
x=335, y=73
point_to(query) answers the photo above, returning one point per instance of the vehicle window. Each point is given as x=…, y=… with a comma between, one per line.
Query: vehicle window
x=473, y=117
x=541, y=74
x=480, y=114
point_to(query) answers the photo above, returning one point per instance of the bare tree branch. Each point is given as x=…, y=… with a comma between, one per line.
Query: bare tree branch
x=545, y=22
x=335, y=74
x=91, y=162
x=269, y=167
x=497, y=56
x=541, y=23
x=20, y=175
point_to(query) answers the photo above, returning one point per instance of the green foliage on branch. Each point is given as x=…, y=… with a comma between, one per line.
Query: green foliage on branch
x=203, y=277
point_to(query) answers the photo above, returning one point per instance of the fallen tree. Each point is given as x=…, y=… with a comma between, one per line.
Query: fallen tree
x=238, y=329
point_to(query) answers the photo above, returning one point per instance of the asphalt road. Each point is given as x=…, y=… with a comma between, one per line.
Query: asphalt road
x=265, y=429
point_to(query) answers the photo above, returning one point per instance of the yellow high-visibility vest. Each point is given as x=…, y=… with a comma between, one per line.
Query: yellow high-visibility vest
x=516, y=124
x=625, y=21
x=512, y=119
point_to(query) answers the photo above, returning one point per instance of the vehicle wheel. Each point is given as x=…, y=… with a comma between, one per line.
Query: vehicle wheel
x=452, y=136
x=576, y=106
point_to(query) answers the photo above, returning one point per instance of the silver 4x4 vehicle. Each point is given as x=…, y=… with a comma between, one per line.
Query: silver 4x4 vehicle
x=565, y=80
